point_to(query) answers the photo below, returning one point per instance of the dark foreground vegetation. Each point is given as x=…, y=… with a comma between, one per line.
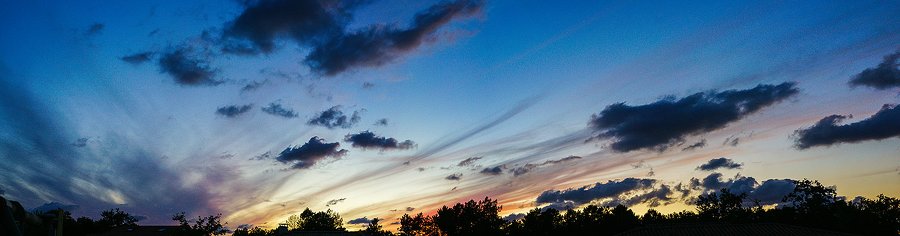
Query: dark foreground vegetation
x=810, y=205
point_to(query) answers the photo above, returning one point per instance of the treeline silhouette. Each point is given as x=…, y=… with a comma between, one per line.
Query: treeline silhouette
x=47, y=223
x=810, y=204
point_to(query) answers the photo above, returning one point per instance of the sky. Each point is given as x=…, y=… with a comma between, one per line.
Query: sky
x=260, y=109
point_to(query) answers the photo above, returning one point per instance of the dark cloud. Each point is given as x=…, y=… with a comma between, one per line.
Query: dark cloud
x=656, y=197
x=497, y=170
x=187, y=69
x=628, y=192
x=585, y=194
x=322, y=27
x=884, y=76
x=469, y=161
x=769, y=192
x=883, y=124
x=634, y=191
x=514, y=217
x=138, y=58
x=95, y=29
x=530, y=166
x=381, y=122
x=661, y=124
x=262, y=22
x=81, y=142
x=713, y=182
x=310, y=153
x=379, y=44
x=561, y=206
x=335, y=118
x=717, y=163
x=367, y=139
x=700, y=144
x=456, y=176
x=358, y=221
x=232, y=111
x=410, y=208
x=277, y=110
x=253, y=86
x=333, y=202
x=772, y=191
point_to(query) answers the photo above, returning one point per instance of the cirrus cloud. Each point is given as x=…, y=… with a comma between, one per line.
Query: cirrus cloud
x=187, y=69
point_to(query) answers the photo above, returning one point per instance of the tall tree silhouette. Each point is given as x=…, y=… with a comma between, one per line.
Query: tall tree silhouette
x=470, y=218
x=722, y=205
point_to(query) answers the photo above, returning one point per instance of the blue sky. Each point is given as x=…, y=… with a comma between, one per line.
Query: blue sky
x=512, y=82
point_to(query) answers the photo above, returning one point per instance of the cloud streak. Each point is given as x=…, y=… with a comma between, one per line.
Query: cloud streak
x=138, y=58
x=232, y=111
x=528, y=167
x=585, y=194
x=276, y=109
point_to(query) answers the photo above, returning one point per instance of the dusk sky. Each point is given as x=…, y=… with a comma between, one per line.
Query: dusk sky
x=260, y=109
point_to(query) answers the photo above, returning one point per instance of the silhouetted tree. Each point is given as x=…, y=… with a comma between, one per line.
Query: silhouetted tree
x=255, y=231
x=294, y=222
x=883, y=211
x=417, y=225
x=113, y=218
x=470, y=218
x=723, y=205
x=541, y=222
x=374, y=229
x=587, y=220
x=622, y=219
x=321, y=221
x=208, y=225
x=810, y=196
x=652, y=217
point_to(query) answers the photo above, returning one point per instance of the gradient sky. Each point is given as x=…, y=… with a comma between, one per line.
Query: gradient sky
x=513, y=82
